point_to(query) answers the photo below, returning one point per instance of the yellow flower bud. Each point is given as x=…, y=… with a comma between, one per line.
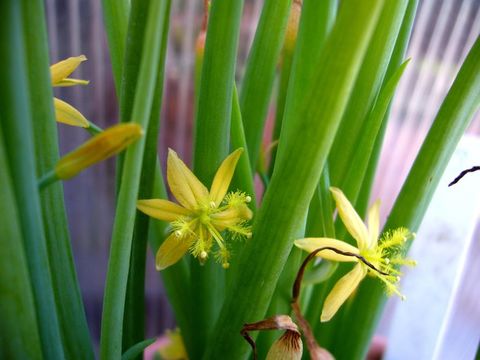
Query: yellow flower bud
x=67, y=114
x=61, y=70
x=100, y=147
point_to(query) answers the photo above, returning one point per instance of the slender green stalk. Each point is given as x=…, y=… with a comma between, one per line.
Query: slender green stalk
x=260, y=72
x=128, y=87
x=19, y=338
x=68, y=299
x=243, y=177
x=211, y=147
x=301, y=158
x=134, y=315
x=118, y=266
x=19, y=145
x=450, y=123
x=115, y=15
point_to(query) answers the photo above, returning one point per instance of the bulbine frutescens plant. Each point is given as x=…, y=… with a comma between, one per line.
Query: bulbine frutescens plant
x=337, y=64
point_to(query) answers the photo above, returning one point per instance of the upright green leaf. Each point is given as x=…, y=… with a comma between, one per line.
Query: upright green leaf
x=19, y=337
x=211, y=147
x=118, y=266
x=68, y=299
x=134, y=320
x=260, y=72
x=19, y=146
x=304, y=144
x=366, y=88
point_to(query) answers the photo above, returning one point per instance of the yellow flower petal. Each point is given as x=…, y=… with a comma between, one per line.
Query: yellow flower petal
x=71, y=82
x=161, y=209
x=223, y=177
x=171, y=250
x=231, y=217
x=100, y=147
x=62, y=69
x=185, y=186
x=67, y=114
x=341, y=291
x=350, y=218
x=374, y=224
x=312, y=244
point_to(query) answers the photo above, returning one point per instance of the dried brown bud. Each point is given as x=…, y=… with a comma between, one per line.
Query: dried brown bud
x=288, y=347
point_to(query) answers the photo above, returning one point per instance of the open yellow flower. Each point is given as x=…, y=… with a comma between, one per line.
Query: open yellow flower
x=373, y=257
x=60, y=72
x=201, y=216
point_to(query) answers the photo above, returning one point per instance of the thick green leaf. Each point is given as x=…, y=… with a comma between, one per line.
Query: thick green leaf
x=71, y=313
x=118, y=266
x=212, y=132
x=19, y=338
x=304, y=144
x=18, y=140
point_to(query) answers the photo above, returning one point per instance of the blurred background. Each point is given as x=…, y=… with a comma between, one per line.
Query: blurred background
x=443, y=33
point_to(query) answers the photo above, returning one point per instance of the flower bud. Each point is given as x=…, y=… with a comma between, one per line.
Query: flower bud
x=67, y=114
x=98, y=148
x=292, y=27
x=61, y=70
x=288, y=347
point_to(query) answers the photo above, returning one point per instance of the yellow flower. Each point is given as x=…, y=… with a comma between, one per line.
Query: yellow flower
x=174, y=348
x=60, y=71
x=201, y=215
x=375, y=258
x=98, y=148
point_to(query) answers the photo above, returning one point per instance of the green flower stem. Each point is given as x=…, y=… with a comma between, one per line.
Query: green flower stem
x=300, y=160
x=19, y=145
x=115, y=15
x=19, y=338
x=212, y=131
x=93, y=129
x=260, y=72
x=450, y=123
x=47, y=179
x=134, y=315
x=118, y=266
